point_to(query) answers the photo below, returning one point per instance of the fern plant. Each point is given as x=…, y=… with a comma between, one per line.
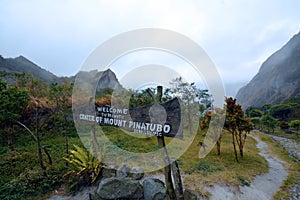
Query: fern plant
x=86, y=169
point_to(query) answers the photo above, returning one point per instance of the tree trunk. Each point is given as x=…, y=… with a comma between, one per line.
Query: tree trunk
x=219, y=146
x=234, y=147
x=40, y=155
x=35, y=139
x=241, y=145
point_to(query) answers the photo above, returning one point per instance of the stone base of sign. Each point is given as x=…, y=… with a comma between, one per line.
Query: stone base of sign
x=124, y=184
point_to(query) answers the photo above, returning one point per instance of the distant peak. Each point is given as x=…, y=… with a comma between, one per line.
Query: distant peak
x=21, y=58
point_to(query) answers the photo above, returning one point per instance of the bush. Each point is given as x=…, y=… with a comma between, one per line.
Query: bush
x=85, y=169
x=29, y=183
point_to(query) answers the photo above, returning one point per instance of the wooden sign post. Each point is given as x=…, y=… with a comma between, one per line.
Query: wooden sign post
x=162, y=145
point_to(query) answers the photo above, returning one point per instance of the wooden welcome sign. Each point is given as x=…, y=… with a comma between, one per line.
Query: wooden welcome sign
x=153, y=120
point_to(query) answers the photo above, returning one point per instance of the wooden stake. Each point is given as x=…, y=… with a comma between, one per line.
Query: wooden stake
x=162, y=145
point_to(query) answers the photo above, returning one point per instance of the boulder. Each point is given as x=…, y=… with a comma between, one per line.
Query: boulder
x=154, y=189
x=137, y=173
x=123, y=170
x=120, y=187
x=108, y=172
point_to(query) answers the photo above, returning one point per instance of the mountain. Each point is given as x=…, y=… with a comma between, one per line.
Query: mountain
x=23, y=65
x=277, y=80
x=107, y=79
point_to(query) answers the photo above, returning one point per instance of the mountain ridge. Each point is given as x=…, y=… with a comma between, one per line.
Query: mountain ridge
x=277, y=78
x=20, y=64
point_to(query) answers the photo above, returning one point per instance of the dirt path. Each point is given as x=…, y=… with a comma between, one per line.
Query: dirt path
x=263, y=187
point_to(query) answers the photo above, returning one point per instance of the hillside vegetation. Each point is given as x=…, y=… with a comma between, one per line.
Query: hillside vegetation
x=38, y=137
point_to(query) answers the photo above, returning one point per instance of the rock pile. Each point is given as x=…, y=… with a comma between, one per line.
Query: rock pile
x=126, y=183
x=129, y=184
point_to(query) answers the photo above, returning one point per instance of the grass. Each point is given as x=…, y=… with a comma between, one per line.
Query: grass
x=21, y=176
x=198, y=173
x=212, y=169
x=223, y=169
x=291, y=166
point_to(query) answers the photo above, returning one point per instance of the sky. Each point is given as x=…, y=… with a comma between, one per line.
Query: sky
x=59, y=35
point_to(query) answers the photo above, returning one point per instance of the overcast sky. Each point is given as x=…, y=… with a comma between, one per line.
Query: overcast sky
x=58, y=35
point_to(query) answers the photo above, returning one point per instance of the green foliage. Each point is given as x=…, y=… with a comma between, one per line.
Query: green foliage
x=20, y=80
x=295, y=124
x=85, y=168
x=60, y=96
x=295, y=99
x=270, y=122
x=255, y=121
x=189, y=94
x=282, y=111
x=21, y=177
x=266, y=108
x=13, y=101
x=253, y=112
x=30, y=182
x=237, y=124
x=140, y=98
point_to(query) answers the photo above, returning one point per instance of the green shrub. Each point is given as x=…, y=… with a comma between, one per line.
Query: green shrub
x=85, y=169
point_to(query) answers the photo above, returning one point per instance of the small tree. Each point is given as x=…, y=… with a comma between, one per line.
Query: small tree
x=269, y=121
x=244, y=127
x=256, y=122
x=61, y=95
x=206, y=122
x=296, y=125
x=253, y=112
x=237, y=124
x=191, y=96
x=12, y=104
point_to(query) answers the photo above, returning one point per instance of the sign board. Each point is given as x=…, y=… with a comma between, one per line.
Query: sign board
x=153, y=120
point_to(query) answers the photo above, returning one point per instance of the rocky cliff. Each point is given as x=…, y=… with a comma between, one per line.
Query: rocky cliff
x=277, y=79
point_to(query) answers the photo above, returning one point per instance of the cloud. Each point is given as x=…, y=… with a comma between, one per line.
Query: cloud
x=59, y=35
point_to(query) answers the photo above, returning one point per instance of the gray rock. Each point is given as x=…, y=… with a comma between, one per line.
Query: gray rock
x=137, y=173
x=190, y=194
x=154, y=189
x=123, y=170
x=120, y=187
x=108, y=172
